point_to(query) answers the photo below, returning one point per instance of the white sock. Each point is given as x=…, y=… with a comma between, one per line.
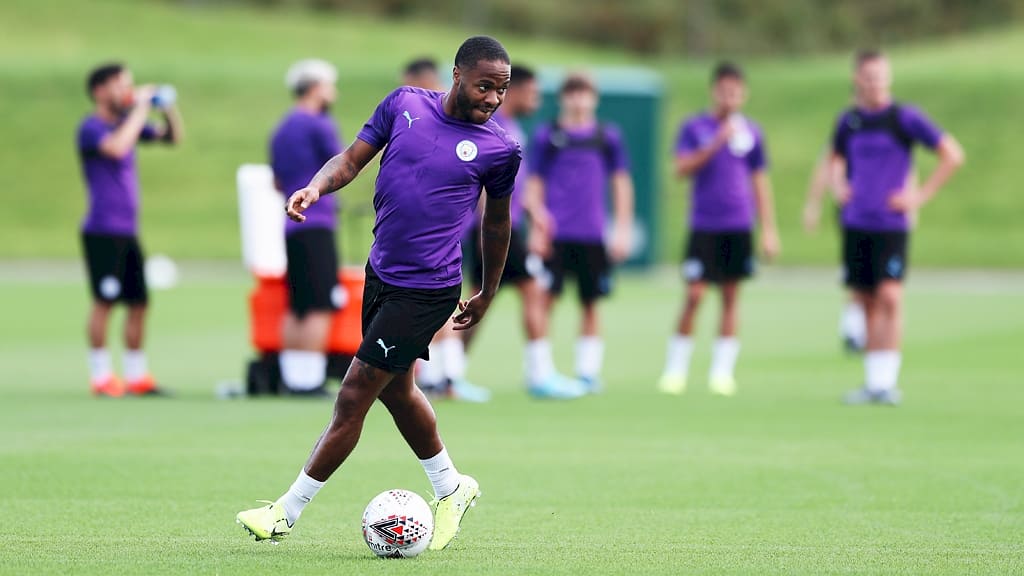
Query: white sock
x=100, y=367
x=301, y=492
x=589, y=356
x=134, y=362
x=539, y=364
x=453, y=354
x=442, y=473
x=302, y=369
x=723, y=357
x=881, y=369
x=852, y=323
x=431, y=372
x=677, y=358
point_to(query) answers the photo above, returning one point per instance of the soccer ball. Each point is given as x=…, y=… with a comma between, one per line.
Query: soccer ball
x=398, y=524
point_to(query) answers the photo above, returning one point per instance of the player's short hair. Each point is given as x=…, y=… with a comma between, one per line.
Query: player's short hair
x=305, y=74
x=727, y=69
x=576, y=82
x=521, y=74
x=866, y=55
x=102, y=74
x=421, y=65
x=479, y=48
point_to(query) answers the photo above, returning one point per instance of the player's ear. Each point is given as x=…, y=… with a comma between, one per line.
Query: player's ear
x=456, y=74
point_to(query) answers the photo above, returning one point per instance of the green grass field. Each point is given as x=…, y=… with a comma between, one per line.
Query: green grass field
x=779, y=480
x=228, y=64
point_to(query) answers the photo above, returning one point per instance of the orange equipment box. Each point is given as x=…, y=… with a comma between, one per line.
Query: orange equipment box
x=268, y=304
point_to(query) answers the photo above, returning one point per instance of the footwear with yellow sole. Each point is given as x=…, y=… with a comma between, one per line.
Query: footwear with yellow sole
x=266, y=522
x=674, y=384
x=448, y=512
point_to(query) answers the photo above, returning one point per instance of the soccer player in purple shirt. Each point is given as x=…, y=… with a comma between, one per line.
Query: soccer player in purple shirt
x=106, y=148
x=724, y=153
x=872, y=165
x=440, y=151
x=573, y=163
x=303, y=141
x=422, y=73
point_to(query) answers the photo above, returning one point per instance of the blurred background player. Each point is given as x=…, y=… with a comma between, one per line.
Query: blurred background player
x=521, y=100
x=113, y=255
x=853, y=330
x=852, y=325
x=573, y=162
x=422, y=73
x=872, y=162
x=303, y=141
x=724, y=153
x=431, y=175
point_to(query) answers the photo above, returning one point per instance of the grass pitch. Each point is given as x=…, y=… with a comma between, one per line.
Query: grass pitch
x=779, y=480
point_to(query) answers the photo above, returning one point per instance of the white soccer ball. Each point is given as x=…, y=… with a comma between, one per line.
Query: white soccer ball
x=161, y=272
x=398, y=524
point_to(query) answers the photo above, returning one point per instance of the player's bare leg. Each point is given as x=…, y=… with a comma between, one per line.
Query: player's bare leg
x=102, y=379
x=413, y=415
x=722, y=379
x=99, y=318
x=361, y=386
x=590, y=347
x=883, y=309
x=680, y=344
x=137, y=379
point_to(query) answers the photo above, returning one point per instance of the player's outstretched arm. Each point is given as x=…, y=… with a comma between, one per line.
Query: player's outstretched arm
x=333, y=176
x=495, y=231
x=770, y=243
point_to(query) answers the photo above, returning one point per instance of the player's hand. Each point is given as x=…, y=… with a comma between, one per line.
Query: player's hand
x=771, y=245
x=539, y=242
x=726, y=129
x=619, y=248
x=812, y=217
x=906, y=200
x=541, y=220
x=842, y=194
x=299, y=201
x=471, y=311
x=144, y=94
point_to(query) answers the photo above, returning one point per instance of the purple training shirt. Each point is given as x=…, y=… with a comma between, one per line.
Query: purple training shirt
x=878, y=150
x=431, y=173
x=301, y=144
x=723, y=193
x=576, y=166
x=112, y=183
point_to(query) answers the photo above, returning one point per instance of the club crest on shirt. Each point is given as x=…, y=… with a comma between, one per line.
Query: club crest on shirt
x=110, y=287
x=466, y=150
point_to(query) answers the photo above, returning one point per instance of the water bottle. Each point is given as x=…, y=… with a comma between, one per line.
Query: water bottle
x=165, y=96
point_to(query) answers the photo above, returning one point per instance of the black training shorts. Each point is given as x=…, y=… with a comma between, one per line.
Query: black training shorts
x=115, y=265
x=398, y=323
x=718, y=257
x=515, y=264
x=871, y=257
x=312, y=271
x=587, y=261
